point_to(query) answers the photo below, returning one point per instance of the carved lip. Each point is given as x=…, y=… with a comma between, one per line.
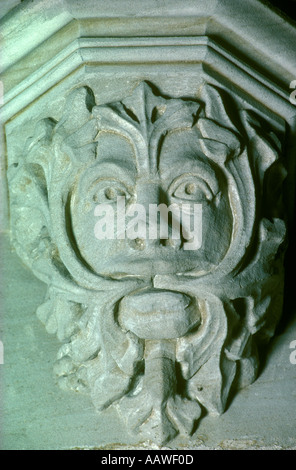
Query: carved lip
x=158, y=314
x=157, y=263
x=147, y=268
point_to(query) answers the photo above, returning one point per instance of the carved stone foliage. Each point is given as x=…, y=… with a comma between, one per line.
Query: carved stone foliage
x=162, y=333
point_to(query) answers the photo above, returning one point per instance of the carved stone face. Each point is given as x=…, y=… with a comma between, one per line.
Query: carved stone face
x=181, y=174
x=155, y=329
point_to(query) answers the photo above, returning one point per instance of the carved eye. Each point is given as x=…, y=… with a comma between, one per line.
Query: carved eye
x=107, y=192
x=191, y=188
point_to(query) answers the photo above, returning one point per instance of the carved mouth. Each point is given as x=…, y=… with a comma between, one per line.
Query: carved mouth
x=158, y=314
x=144, y=268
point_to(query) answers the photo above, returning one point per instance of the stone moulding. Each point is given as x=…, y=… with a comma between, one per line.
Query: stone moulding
x=213, y=58
x=161, y=334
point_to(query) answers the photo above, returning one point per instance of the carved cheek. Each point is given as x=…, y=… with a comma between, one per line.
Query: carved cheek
x=94, y=213
x=217, y=228
x=110, y=177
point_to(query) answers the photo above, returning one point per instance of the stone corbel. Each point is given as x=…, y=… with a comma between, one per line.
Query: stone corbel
x=161, y=328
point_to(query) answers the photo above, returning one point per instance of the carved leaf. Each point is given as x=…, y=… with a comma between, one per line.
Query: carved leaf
x=210, y=130
x=77, y=110
x=219, y=107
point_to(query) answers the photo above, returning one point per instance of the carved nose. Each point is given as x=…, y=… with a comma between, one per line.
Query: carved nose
x=138, y=244
x=141, y=244
x=149, y=193
x=155, y=222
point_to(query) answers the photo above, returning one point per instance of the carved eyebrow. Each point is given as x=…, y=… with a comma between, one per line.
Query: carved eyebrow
x=117, y=169
x=208, y=183
x=121, y=154
x=192, y=167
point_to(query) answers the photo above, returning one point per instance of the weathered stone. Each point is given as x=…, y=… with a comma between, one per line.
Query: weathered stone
x=159, y=327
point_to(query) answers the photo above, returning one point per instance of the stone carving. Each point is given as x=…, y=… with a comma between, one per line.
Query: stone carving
x=162, y=333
